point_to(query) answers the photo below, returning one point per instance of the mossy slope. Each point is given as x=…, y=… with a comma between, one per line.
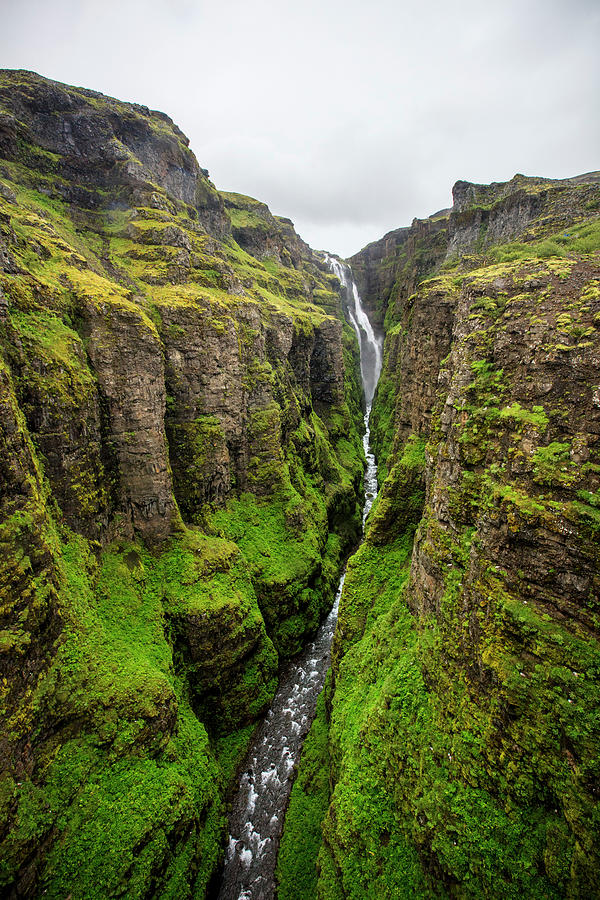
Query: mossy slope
x=464, y=723
x=177, y=413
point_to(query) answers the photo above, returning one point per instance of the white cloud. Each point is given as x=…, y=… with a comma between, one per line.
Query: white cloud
x=350, y=118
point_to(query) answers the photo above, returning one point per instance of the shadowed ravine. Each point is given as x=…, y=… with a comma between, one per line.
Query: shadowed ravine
x=181, y=481
x=259, y=806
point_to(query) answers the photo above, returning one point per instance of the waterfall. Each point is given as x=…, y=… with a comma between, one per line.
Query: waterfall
x=370, y=346
x=259, y=807
x=370, y=365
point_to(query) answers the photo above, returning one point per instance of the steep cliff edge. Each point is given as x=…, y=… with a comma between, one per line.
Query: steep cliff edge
x=464, y=732
x=179, y=472
x=181, y=466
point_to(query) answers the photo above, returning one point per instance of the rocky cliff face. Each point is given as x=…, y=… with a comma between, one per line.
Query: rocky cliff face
x=390, y=269
x=92, y=144
x=524, y=208
x=463, y=736
x=180, y=409
x=179, y=471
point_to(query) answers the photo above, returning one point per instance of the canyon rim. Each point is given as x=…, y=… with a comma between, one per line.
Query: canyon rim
x=181, y=485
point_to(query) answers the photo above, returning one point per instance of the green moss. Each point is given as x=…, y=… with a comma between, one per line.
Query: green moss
x=115, y=834
x=371, y=856
x=382, y=422
x=581, y=238
x=488, y=381
x=518, y=414
x=526, y=504
x=266, y=534
x=553, y=466
x=230, y=750
x=417, y=776
x=114, y=791
x=374, y=577
x=266, y=471
x=399, y=504
x=197, y=450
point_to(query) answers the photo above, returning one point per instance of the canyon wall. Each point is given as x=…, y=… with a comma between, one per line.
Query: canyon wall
x=180, y=473
x=456, y=753
x=181, y=467
x=463, y=739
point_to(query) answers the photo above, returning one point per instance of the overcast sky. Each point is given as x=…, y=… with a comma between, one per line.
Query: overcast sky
x=349, y=117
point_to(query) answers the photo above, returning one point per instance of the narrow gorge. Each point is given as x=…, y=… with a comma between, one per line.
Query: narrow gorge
x=190, y=398
x=260, y=804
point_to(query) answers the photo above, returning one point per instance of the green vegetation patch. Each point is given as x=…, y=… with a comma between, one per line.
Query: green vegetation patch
x=113, y=791
x=577, y=239
x=553, y=466
x=424, y=770
x=370, y=855
x=518, y=414
x=399, y=504
x=284, y=560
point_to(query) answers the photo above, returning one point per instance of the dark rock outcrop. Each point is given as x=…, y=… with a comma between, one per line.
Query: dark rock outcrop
x=95, y=143
x=180, y=409
x=264, y=235
x=463, y=736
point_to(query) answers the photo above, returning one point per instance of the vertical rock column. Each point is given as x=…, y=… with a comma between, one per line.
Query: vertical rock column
x=126, y=355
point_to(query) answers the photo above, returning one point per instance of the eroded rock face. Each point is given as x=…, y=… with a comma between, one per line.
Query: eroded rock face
x=388, y=271
x=102, y=143
x=483, y=215
x=546, y=431
x=181, y=480
x=126, y=355
x=62, y=406
x=470, y=670
x=326, y=364
x=264, y=235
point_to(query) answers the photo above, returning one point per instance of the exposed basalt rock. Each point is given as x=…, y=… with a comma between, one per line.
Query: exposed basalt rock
x=220, y=361
x=467, y=663
x=326, y=364
x=103, y=144
x=228, y=416
x=264, y=235
x=178, y=413
x=388, y=271
x=126, y=356
x=204, y=373
x=483, y=215
x=416, y=351
x=549, y=370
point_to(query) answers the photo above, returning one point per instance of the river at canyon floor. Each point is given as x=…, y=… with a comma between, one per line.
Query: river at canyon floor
x=260, y=804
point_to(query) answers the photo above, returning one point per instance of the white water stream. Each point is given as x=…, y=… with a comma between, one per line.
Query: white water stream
x=259, y=806
x=370, y=345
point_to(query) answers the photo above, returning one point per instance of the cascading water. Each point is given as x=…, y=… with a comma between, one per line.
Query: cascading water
x=370, y=346
x=259, y=807
x=258, y=811
x=370, y=365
